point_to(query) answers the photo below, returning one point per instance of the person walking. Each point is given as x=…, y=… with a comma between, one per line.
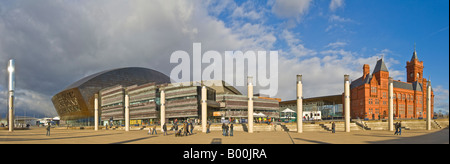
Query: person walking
x=333, y=127
x=223, y=129
x=165, y=129
x=185, y=129
x=192, y=127
x=207, y=127
x=400, y=128
x=396, y=128
x=226, y=129
x=48, y=130
x=176, y=127
x=231, y=130
x=154, y=129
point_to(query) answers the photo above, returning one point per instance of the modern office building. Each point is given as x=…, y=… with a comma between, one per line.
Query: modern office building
x=183, y=102
x=314, y=108
x=75, y=104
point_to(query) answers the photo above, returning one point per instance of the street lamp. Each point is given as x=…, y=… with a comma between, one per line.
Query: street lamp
x=11, y=86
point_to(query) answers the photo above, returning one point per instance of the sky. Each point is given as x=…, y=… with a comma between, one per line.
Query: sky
x=56, y=42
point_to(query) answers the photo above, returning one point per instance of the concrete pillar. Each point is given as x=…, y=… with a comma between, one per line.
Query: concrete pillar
x=299, y=104
x=391, y=104
x=429, y=105
x=347, y=102
x=250, y=103
x=11, y=71
x=204, y=109
x=96, y=112
x=163, y=109
x=127, y=112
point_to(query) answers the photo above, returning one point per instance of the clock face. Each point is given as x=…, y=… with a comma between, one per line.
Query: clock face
x=411, y=75
x=418, y=75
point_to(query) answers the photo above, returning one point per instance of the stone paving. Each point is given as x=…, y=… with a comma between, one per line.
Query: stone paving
x=58, y=136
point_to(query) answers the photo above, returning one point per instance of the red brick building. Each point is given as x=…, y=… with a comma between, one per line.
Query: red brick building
x=369, y=93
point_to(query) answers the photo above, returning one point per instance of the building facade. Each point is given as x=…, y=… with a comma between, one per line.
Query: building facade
x=182, y=102
x=75, y=104
x=369, y=93
x=327, y=107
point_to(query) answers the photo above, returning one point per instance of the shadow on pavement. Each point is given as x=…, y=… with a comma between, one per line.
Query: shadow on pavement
x=133, y=140
x=439, y=137
x=216, y=141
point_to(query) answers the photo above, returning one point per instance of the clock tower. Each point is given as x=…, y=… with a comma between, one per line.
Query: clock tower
x=414, y=68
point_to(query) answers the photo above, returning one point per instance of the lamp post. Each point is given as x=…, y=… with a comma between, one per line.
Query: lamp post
x=11, y=87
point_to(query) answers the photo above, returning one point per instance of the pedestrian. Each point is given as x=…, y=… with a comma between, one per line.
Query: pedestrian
x=165, y=129
x=223, y=129
x=207, y=127
x=176, y=127
x=48, y=130
x=154, y=129
x=396, y=128
x=226, y=129
x=400, y=128
x=231, y=130
x=333, y=127
x=192, y=127
x=184, y=129
x=187, y=127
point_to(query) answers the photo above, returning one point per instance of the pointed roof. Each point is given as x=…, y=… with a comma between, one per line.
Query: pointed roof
x=414, y=54
x=380, y=66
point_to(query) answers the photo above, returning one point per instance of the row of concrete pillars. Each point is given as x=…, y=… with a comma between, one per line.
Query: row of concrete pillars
x=299, y=106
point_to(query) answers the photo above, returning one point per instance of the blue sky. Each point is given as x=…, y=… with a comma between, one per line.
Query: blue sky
x=363, y=29
x=56, y=43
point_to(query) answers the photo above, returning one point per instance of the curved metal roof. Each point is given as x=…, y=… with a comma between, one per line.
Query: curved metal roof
x=123, y=76
x=76, y=100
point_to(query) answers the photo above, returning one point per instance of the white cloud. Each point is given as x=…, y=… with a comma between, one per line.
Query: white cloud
x=291, y=9
x=336, y=18
x=27, y=101
x=295, y=47
x=441, y=102
x=334, y=4
x=336, y=44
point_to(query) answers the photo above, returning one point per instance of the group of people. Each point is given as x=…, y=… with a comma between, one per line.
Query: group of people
x=227, y=129
x=398, y=128
x=186, y=129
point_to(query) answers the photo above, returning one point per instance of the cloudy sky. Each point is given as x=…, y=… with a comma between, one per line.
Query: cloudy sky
x=57, y=42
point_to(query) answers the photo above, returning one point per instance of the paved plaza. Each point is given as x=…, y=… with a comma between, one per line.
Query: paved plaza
x=58, y=136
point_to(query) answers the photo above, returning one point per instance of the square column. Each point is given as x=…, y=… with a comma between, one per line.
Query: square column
x=391, y=104
x=347, y=102
x=204, y=109
x=96, y=112
x=163, y=109
x=127, y=112
x=429, y=105
x=250, y=103
x=299, y=104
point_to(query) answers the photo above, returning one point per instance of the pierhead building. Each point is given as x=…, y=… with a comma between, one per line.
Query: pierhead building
x=369, y=93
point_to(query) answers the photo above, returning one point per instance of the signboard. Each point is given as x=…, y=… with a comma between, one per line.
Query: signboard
x=217, y=113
